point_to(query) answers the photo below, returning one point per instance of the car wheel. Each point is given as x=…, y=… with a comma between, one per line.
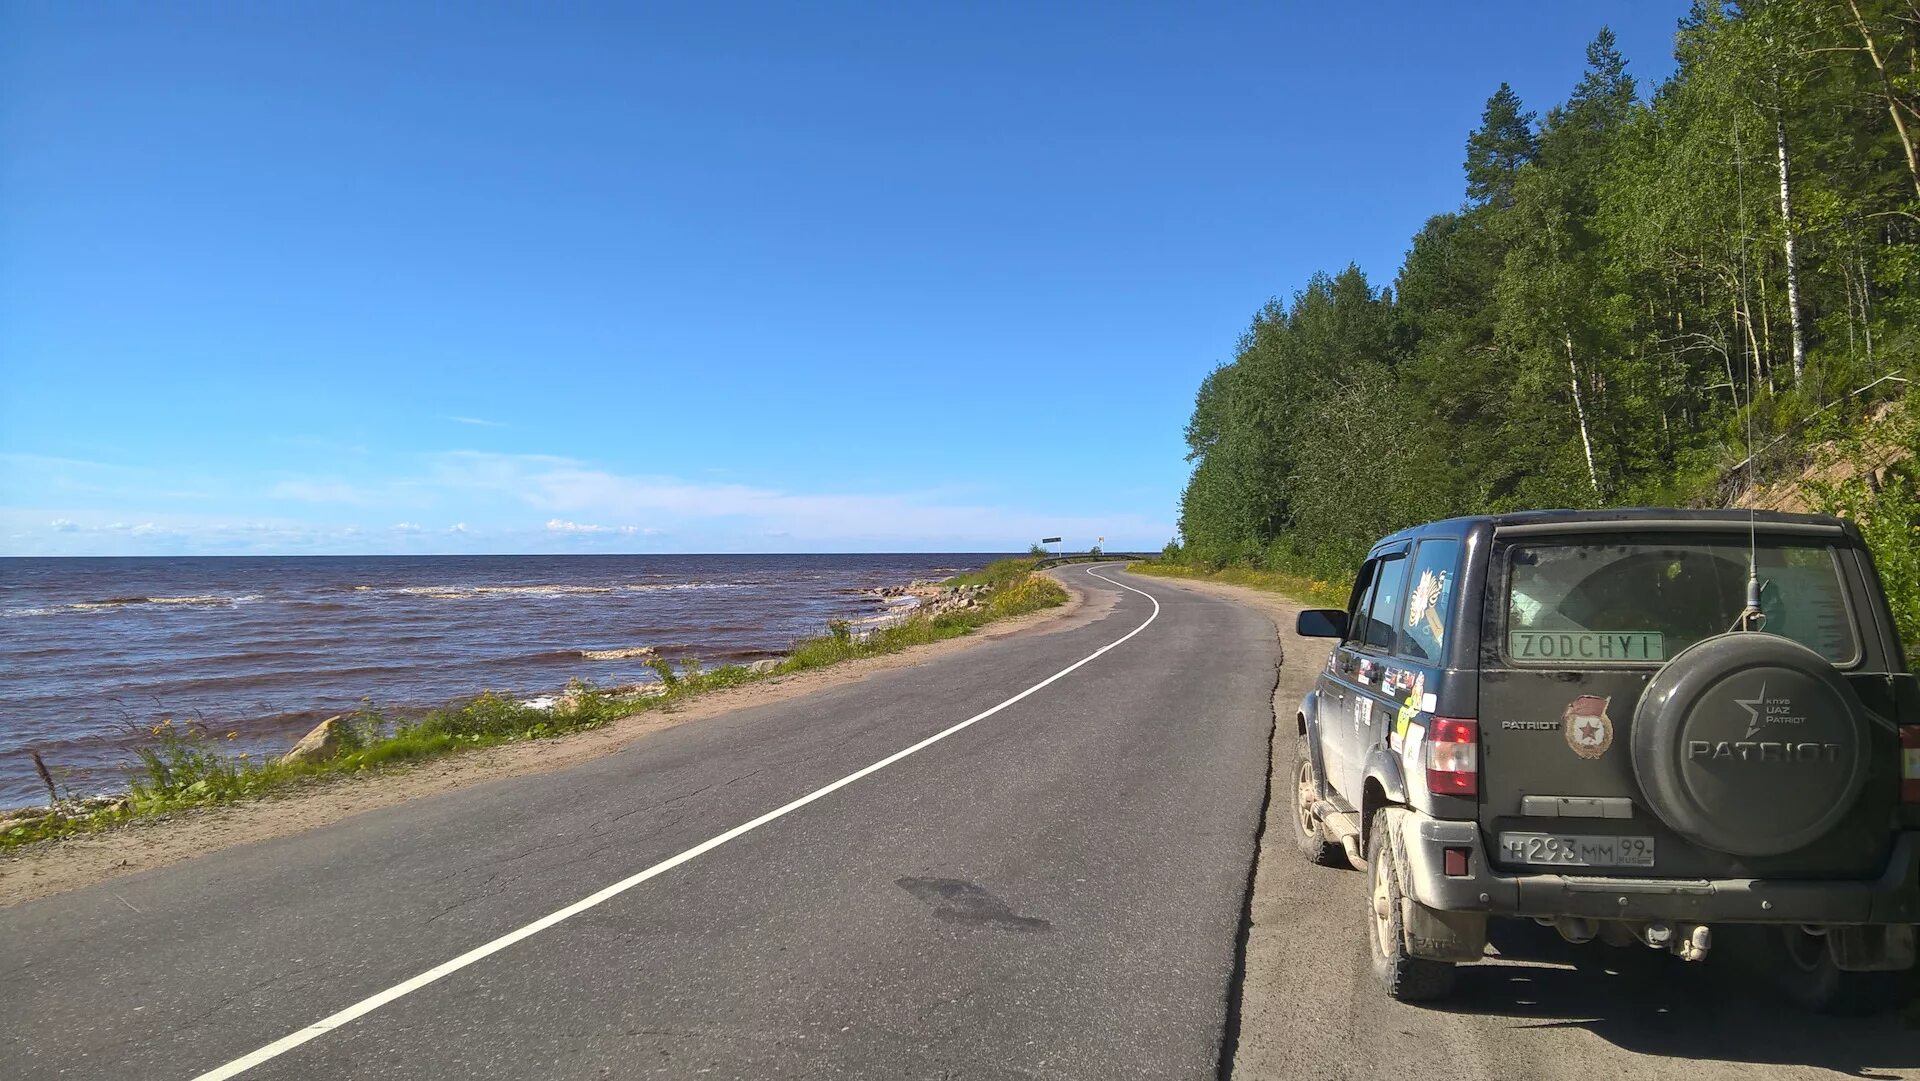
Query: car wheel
x=1405, y=978
x=1804, y=968
x=1307, y=830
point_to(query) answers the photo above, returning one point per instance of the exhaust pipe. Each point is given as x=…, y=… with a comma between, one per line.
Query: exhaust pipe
x=1350, y=842
x=1345, y=827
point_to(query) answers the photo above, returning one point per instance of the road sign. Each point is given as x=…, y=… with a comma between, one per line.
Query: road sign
x=1049, y=540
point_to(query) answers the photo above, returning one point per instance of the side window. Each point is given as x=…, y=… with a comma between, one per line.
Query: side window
x=1390, y=578
x=1357, y=612
x=1430, y=604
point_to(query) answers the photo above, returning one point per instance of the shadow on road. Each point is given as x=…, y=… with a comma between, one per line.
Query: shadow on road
x=1655, y=1004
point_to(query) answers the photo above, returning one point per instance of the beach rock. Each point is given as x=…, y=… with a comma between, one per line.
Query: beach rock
x=641, y=690
x=318, y=745
x=764, y=666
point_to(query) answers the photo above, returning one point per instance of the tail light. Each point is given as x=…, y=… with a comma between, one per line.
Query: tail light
x=1910, y=759
x=1453, y=757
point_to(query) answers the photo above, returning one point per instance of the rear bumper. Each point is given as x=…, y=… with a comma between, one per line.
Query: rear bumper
x=1893, y=898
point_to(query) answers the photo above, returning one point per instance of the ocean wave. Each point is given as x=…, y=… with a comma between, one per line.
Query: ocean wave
x=454, y=593
x=244, y=598
x=457, y=593
x=196, y=600
x=622, y=654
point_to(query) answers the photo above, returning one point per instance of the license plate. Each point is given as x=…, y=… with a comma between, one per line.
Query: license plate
x=1572, y=850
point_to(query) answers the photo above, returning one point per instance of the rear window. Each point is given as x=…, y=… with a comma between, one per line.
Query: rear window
x=1638, y=603
x=1430, y=604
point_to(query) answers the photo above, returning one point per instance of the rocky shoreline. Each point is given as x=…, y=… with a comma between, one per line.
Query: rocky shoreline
x=919, y=597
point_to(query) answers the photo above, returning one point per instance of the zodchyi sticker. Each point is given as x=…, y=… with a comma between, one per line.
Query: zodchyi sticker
x=1586, y=646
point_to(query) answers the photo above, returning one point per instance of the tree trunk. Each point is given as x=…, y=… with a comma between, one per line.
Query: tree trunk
x=1786, y=232
x=1732, y=346
x=1580, y=412
x=1893, y=99
x=1866, y=309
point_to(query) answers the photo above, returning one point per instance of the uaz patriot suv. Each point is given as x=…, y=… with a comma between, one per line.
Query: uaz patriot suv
x=1631, y=725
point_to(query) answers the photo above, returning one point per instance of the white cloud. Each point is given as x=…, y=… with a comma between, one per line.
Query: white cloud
x=475, y=421
x=529, y=502
x=570, y=489
x=559, y=525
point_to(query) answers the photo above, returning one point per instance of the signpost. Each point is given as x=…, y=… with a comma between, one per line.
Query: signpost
x=1049, y=540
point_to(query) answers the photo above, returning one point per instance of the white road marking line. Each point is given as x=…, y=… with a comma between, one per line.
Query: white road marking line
x=373, y=1002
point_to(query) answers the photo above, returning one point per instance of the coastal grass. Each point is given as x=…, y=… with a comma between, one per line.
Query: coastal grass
x=1300, y=587
x=185, y=766
x=1010, y=595
x=997, y=574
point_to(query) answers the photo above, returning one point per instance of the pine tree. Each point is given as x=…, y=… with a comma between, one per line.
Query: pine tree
x=1495, y=152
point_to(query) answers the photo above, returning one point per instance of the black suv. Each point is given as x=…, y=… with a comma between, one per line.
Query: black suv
x=1631, y=725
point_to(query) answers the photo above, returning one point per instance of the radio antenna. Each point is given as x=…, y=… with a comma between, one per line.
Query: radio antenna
x=1752, y=617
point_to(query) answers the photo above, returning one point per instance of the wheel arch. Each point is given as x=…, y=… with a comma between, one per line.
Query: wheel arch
x=1385, y=786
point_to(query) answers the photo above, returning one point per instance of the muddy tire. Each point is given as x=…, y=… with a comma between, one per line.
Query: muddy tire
x=1404, y=977
x=1804, y=970
x=1308, y=832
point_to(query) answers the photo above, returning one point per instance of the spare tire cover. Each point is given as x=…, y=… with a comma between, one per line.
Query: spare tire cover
x=1750, y=743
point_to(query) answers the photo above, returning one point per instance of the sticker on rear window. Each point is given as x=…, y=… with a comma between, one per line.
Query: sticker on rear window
x=1587, y=645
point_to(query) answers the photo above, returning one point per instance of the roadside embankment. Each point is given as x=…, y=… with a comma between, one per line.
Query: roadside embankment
x=1302, y=587
x=368, y=758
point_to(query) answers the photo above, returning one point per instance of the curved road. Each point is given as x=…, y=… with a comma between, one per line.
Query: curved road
x=1054, y=890
x=1026, y=859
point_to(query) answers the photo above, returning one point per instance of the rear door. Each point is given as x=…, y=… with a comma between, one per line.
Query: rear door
x=1573, y=629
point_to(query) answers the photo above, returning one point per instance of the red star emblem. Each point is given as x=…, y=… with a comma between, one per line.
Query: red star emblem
x=1590, y=733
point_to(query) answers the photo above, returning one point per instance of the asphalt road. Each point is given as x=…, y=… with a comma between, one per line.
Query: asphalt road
x=1054, y=890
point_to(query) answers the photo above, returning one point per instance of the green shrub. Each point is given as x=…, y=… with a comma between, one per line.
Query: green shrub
x=664, y=669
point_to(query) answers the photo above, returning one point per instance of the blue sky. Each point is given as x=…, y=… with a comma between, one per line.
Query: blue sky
x=299, y=278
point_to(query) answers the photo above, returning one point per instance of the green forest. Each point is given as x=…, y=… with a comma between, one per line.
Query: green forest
x=1640, y=283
